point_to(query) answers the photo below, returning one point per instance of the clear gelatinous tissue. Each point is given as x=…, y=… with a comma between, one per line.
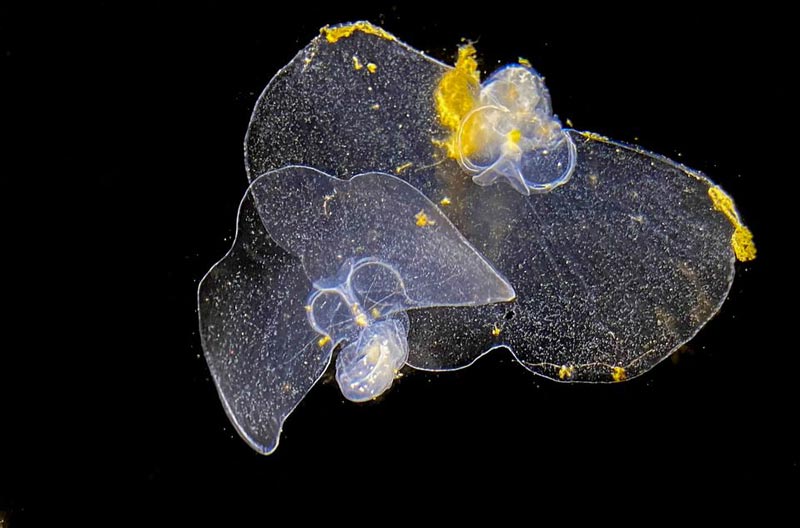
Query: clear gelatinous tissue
x=319, y=262
x=617, y=256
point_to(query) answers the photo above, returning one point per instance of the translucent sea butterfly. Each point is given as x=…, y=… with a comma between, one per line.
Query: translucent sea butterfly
x=617, y=256
x=320, y=262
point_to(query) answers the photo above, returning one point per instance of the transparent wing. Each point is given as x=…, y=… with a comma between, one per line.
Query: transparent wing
x=377, y=219
x=614, y=268
x=263, y=355
x=307, y=272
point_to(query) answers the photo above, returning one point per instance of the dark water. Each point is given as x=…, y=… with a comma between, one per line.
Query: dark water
x=118, y=419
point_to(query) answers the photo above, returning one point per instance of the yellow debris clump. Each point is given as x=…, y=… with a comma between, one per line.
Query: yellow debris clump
x=565, y=372
x=742, y=239
x=618, y=374
x=332, y=34
x=456, y=95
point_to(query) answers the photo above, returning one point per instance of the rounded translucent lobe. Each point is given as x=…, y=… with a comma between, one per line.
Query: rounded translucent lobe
x=362, y=292
x=614, y=269
x=329, y=313
x=379, y=286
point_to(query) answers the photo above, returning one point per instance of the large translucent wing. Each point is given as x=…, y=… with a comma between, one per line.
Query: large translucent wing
x=263, y=355
x=328, y=222
x=613, y=270
x=324, y=111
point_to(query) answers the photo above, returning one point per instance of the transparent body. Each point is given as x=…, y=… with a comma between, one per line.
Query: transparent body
x=444, y=219
x=618, y=256
x=511, y=135
x=320, y=262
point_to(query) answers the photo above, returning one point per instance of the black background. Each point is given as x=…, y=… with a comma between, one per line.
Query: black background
x=136, y=117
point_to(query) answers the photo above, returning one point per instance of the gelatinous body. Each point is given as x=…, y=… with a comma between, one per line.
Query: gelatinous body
x=367, y=367
x=618, y=256
x=351, y=307
x=320, y=262
x=512, y=135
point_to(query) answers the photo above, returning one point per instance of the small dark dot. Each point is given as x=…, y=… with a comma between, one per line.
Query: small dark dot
x=510, y=315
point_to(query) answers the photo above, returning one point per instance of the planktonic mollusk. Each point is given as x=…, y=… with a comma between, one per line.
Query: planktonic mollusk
x=401, y=212
x=618, y=256
x=319, y=262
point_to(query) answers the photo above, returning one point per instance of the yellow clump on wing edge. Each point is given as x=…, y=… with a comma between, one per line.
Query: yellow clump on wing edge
x=742, y=239
x=618, y=374
x=456, y=95
x=333, y=34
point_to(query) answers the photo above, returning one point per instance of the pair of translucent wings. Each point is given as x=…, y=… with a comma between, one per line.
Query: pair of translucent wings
x=596, y=280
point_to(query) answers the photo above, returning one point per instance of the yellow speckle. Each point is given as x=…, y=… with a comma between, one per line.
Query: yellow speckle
x=376, y=106
x=361, y=320
x=357, y=63
x=496, y=330
x=594, y=136
x=524, y=62
x=308, y=308
x=618, y=374
x=565, y=372
x=514, y=136
x=569, y=122
x=332, y=34
x=372, y=67
x=324, y=340
x=375, y=313
x=403, y=167
x=445, y=201
x=742, y=239
x=456, y=95
x=421, y=219
x=593, y=180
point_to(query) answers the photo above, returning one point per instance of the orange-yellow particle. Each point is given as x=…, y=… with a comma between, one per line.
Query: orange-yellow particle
x=357, y=63
x=565, y=372
x=375, y=313
x=496, y=330
x=403, y=167
x=324, y=340
x=361, y=320
x=514, y=136
x=421, y=219
x=618, y=374
x=742, y=239
x=332, y=34
x=372, y=67
x=445, y=201
x=525, y=62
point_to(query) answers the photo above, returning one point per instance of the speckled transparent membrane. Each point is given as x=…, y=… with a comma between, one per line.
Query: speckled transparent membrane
x=614, y=268
x=319, y=262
